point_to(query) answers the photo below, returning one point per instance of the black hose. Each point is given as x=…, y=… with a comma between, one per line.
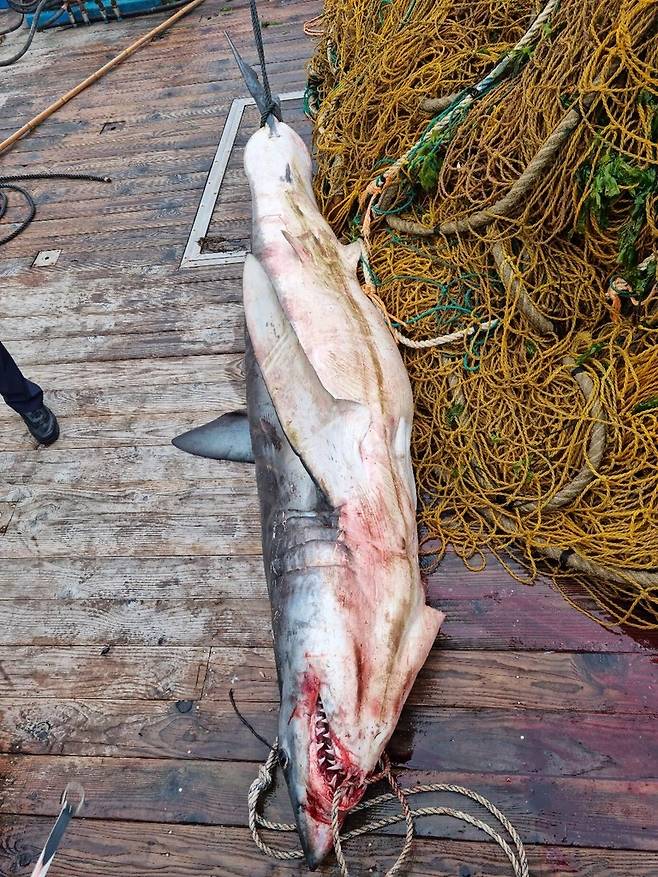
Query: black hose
x=65, y=175
x=6, y=183
x=36, y=8
x=14, y=26
x=43, y=4
x=3, y=209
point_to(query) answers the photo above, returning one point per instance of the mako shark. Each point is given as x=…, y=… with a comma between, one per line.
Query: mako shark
x=328, y=421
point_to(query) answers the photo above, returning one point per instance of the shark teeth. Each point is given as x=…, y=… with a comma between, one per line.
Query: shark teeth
x=331, y=767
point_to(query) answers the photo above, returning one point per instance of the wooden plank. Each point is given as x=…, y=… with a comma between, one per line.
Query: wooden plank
x=132, y=535
x=132, y=223
x=154, y=134
x=95, y=848
x=81, y=201
x=228, y=617
x=118, y=299
x=200, y=384
x=76, y=199
x=196, y=396
x=174, y=67
x=42, y=236
x=132, y=102
x=146, y=372
x=124, y=579
x=185, y=104
x=231, y=621
x=76, y=270
x=490, y=609
x=290, y=55
x=149, y=246
x=579, y=682
x=119, y=672
x=493, y=740
x=282, y=39
x=150, y=256
x=123, y=430
x=568, y=811
x=227, y=337
x=34, y=474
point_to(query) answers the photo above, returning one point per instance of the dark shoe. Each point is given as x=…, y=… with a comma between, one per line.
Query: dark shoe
x=43, y=425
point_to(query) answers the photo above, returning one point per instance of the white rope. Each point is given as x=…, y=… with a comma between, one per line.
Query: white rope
x=443, y=339
x=517, y=856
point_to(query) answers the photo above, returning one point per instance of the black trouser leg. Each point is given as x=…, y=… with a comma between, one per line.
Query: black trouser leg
x=19, y=393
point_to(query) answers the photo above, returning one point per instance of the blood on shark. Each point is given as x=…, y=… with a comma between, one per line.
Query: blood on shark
x=328, y=423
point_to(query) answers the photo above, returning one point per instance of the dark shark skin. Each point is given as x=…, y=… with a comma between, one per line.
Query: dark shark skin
x=300, y=544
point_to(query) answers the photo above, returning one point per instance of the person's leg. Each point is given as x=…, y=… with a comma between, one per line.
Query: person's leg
x=20, y=394
x=26, y=398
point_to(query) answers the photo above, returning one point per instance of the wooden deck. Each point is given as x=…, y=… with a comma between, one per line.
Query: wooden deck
x=131, y=589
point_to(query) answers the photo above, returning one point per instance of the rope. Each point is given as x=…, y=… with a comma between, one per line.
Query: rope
x=519, y=190
x=272, y=107
x=448, y=118
x=549, y=185
x=515, y=853
x=567, y=558
x=441, y=340
x=453, y=114
x=7, y=183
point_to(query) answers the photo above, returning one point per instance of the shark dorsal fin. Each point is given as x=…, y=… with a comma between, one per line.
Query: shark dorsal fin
x=324, y=431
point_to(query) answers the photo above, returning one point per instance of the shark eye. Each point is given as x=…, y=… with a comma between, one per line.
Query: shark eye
x=284, y=759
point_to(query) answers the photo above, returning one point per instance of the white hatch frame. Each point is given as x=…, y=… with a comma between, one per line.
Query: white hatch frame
x=193, y=257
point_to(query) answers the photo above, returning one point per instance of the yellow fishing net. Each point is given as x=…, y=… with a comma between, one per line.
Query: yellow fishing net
x=500, y=160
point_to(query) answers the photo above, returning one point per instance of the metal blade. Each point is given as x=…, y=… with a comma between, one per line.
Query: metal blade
x=253, y=83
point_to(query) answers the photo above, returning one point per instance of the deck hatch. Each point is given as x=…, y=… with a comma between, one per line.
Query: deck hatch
x=212, y=242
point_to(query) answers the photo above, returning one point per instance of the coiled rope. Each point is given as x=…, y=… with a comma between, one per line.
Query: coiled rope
x=515, y=852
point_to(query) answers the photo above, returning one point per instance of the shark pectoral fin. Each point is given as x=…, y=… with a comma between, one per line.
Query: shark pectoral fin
x=226, y=438
x=417, y=644
x=322, y=429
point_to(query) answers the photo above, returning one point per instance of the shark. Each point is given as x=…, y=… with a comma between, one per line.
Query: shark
x=328, y=427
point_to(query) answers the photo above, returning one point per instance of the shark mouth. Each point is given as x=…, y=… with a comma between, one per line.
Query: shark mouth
x=334, y=769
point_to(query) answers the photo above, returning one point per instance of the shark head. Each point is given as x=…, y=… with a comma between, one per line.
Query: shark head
x=343, y=678
x=317, y=765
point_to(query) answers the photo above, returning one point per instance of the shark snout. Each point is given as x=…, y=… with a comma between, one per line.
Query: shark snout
x=314, y=831
x=318, y=767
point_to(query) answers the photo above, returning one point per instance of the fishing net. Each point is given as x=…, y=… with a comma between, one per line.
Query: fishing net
x=500, y=161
